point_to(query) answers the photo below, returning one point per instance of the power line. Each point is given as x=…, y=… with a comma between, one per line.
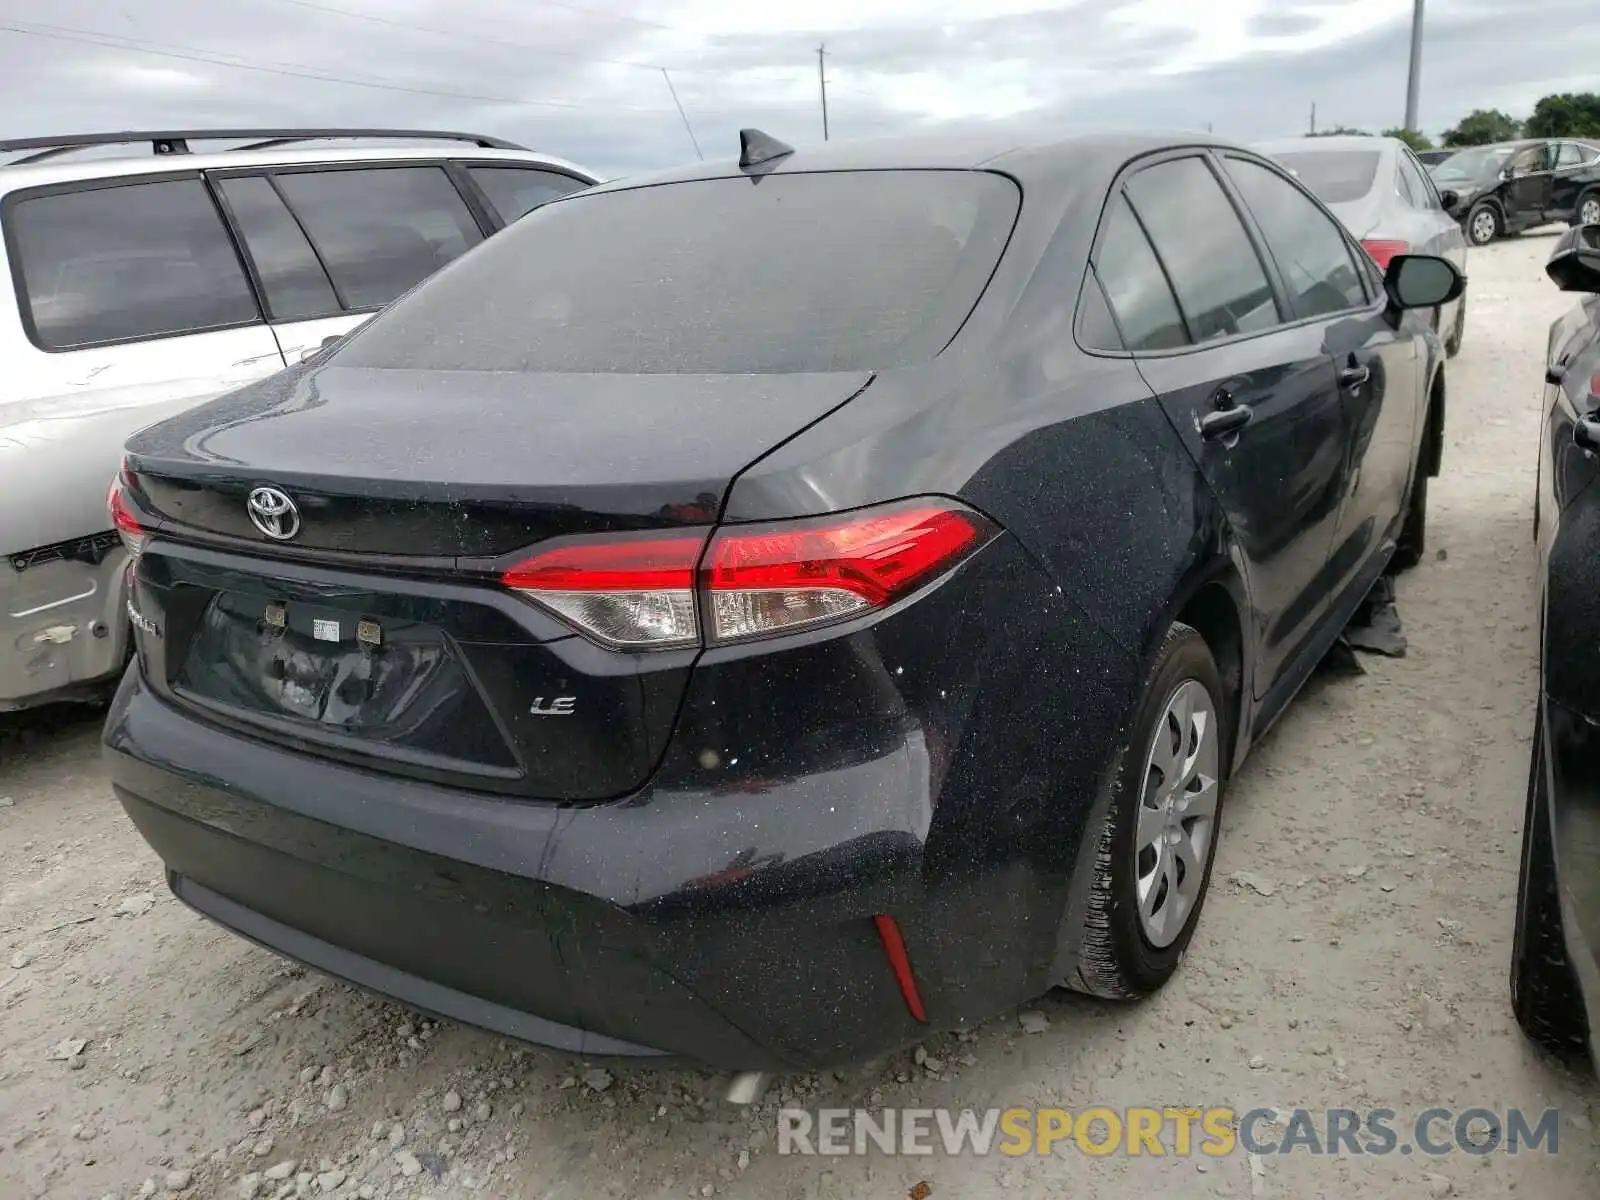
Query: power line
x=291, y=70
x=683, y=114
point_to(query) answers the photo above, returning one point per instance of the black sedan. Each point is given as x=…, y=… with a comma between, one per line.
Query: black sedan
x=761, y=611
x=1513, y=186
x=1555, y=966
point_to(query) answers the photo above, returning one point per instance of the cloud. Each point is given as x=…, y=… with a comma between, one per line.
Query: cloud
x=582, y=78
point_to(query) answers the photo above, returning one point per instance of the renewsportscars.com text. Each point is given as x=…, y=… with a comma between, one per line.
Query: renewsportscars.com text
x=1214, y=1132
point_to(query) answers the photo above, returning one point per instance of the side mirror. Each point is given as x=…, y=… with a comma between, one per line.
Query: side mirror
x=327, y=343
x=1575, y=262
x=1505, y=174
x=1450, y=201
x=1422, y=281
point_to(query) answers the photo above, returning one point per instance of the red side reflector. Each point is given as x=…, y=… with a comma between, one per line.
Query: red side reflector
x=1384, y=249
x=894, y=947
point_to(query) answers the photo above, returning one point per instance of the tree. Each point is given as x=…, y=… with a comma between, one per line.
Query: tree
x=1340, y=131
x=1570, y=114
x=1411, y=137
x=1482, y=126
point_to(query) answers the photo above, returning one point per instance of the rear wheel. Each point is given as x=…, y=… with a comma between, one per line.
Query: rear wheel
x=1589, y=209
x=1153, y=867
x=1483, y=223
x=1544, y=990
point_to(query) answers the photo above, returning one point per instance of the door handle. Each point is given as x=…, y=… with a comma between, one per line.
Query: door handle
x=1214, y=426
x=1556, y=375
x=1354, y=377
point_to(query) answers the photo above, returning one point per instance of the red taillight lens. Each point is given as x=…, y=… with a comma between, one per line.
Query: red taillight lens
x=1383, y=250
x=624, y=592
x=122, y=519
x=758, y=580
x=765, y=579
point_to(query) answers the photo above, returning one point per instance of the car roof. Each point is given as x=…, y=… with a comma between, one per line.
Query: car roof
x=60, y=170
x=1314, y=145
x=1025, y=152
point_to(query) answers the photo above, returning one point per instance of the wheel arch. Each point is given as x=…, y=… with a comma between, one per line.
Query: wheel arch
x=1213, y=601
x=1432, y=457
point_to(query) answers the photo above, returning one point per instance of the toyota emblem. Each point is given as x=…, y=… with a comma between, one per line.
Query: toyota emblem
x=273, y=513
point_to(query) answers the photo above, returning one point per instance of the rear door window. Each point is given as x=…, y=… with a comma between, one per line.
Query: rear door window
x=380, y=230
x=1310, y=248
x=125, y=263
x=516, y=191
x=1569, y=155
x=1212, y=263
x=295, y=286
x=789, y=272
x=1135, y=287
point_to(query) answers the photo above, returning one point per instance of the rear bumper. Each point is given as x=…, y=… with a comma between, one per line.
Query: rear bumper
x=63, y=629
x=600, y=931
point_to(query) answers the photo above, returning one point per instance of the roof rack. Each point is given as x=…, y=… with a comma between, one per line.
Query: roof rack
x=176, y=141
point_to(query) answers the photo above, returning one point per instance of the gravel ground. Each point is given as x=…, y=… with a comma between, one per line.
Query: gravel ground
x=1359, y=959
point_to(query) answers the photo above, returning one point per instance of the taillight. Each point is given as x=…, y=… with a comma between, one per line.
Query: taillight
x=1383, y=250
x=625, y=592
x=122, y=519
x=765, y=579
x=752, y=581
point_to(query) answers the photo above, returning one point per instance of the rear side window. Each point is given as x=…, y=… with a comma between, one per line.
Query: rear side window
x=1335, y=176
x=1135, y=287
x=295, y=285
x=380, y=230
x=804, y=272
x=517, y=191
x=123, y=263
x=1417, y=185
x=1569, y=155
x=1221, y=285
x=1309, y=246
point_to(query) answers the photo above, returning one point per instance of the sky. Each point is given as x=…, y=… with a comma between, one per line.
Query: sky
x=583, y=79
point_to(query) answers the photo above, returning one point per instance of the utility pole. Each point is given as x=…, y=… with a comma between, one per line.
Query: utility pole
x=1313, y=118
x=1414, y=79
x=822, y=82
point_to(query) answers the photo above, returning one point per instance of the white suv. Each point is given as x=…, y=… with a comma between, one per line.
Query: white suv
x=144, y=284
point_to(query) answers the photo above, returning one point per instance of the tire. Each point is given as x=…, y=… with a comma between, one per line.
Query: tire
x=1588, y=211
x=1452, y=344
x=1484, y=224
x=1413, y=540
x=1544, y=988
x=1120, y=955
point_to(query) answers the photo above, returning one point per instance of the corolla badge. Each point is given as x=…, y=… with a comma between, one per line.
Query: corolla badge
x=273, y=513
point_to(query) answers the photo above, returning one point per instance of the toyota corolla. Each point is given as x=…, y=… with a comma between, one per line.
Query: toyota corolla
x=762, y=611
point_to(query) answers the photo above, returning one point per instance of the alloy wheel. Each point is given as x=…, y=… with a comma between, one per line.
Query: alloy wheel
x=1589, y=214
x=1177, y=813
x=1483, y=226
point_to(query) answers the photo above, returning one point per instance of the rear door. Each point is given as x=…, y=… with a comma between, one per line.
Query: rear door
x=1577, y=173
x=1377, y=367
x=128, y=281
x=330, y=245
x=1253, y=398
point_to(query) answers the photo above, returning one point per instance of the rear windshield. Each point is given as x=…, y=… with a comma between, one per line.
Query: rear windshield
x=1336, y=176
x=804, y=272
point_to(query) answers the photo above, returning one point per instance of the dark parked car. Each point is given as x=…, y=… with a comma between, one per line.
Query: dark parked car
x=1555, y=966
x=1513, y=186
x=1376, y=186
x=761, y=611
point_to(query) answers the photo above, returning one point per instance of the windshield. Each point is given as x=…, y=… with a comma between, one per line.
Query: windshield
x=1468, y=166
x=1336, y=176
x=806, y=272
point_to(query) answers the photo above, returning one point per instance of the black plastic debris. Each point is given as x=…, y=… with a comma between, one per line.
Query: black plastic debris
x=1375, y=627
x=1341, y=660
